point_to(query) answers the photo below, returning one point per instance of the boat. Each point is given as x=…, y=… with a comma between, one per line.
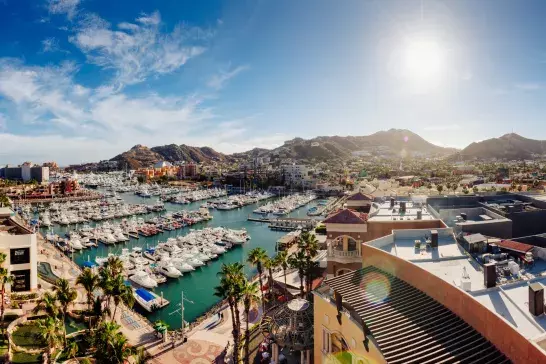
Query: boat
x=182, y=265
x=76, y=244
x=149, y=300
x=143, y=279
x=168, y=270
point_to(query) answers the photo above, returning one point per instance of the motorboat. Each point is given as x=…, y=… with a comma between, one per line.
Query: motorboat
x=137, y=258
x=149, y=300
x=168, y=269
x=76, y=244
x=182, y=265
x=143, y=279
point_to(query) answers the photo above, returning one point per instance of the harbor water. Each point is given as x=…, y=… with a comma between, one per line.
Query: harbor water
x=198, y=286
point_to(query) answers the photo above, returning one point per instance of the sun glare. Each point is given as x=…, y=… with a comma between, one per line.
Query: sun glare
x=423, y=62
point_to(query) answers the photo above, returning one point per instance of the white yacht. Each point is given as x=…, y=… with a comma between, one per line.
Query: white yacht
x=168, y=269
x=182, y=265
x=137, y=258
x=149, y=300
x=143, y=279
x=76, y=244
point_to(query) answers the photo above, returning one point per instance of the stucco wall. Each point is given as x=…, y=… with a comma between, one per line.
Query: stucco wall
x=325, y=316
x=489, y=324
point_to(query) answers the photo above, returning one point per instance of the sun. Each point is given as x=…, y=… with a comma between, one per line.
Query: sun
x=423, y=61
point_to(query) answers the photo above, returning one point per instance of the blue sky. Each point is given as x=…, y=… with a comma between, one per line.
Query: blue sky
x=82, y=80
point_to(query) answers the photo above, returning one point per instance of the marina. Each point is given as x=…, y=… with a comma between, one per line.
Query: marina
x=196, y=282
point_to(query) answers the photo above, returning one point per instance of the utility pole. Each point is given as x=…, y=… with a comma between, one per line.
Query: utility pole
x=180, y=311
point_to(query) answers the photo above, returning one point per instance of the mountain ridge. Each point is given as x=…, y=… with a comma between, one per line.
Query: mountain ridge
x=392, y=142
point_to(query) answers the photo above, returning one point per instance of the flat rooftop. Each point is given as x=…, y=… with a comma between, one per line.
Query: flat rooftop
x=384, y=212
x=453, y=264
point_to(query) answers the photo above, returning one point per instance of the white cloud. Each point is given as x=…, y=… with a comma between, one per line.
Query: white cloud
x=529, y=86
x=50, y=45
x=3, y=122
x=68, y=7
x=137, y=50
x=442, y=127
x=219, y=80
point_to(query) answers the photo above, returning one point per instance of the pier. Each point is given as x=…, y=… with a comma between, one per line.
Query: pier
x=287, y=223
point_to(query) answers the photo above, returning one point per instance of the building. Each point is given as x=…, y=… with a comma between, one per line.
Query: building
x=526, y=213
x=360, y=202
x=25, y=173
x=19, y=245
x=347, y=229
x=188, y=170
x=419, y=297
x=295, y=175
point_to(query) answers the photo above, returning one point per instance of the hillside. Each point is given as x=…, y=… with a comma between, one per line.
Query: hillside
x=394, y=142
x=141, y=156
x=508, y=146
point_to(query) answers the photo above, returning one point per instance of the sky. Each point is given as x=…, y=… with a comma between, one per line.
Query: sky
x=84, y=80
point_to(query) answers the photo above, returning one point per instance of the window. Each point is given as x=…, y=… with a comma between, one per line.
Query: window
x=325, y=341
x=21, y=280
x=353, y=343
x=326, y=319
x=20, y=256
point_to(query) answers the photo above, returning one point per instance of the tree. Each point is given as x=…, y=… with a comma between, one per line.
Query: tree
x=281, y=260
x=89, y=281
x=49, y=330
x=4, y=200
x=439, y=188
x=298, y=261
x=121, y=293
x=475, y=189
x=251, y=297
x=257, y=257
x=230, y=288
x=48, y=304
x=72, y=349
x=121, y=350
x=269, y=264
x=520, y=188
x=111, y=269
x=111, y=345
x=5, y=278
x=65, y=295
x=465, y=191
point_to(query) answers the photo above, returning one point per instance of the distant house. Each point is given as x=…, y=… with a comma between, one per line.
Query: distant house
x=360, y=201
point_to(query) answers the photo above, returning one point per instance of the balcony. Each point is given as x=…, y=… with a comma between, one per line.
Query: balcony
x=343, y=253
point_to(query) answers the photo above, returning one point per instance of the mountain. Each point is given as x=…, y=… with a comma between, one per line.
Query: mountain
x=141, y=156
x=509, y=146
x=393, y=142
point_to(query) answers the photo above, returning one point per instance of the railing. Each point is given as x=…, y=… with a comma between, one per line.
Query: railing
x=344, y=253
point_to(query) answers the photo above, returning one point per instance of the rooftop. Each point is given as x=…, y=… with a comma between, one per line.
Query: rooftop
x=359, y=196
x=509, y=298
x=384, y=212
x=408, y=325
x=346, y=216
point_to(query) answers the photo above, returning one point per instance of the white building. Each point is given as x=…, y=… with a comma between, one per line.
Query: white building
x=295, y=175
x=20, y=246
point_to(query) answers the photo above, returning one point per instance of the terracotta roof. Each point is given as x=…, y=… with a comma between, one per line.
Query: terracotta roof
x=346, y=216
x=515, y=246
x=408, y=325
x=359, y=196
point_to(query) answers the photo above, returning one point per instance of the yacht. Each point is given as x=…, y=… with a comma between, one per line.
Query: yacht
x=182, y=265
x=76, y=244
x=149, y=300
x=137, y=258
x=168, y=269
x=143, y=279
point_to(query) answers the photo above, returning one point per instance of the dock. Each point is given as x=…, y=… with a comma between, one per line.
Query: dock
x=287, y=241
x=286, y=223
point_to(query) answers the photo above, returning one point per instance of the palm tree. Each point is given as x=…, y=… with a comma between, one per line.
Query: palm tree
x=250, y=298
x=72, y=349
x=65, y=295
x=298, y=261
x=5, y=278
x=256, y=257
x=439, y=188
x=121, y=351
x=99, y=312
x=121, y=293
x=269, y=264
x=90, y=282
x=50, y=332
x=230, y=287
x=47, y=303
x=281, y=260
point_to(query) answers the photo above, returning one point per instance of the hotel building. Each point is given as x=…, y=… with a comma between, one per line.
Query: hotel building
x=20, y=246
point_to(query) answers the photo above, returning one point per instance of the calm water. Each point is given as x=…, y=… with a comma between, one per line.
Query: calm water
x=198, y=286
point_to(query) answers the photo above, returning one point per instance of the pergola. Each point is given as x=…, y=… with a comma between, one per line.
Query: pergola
x=291, y=326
